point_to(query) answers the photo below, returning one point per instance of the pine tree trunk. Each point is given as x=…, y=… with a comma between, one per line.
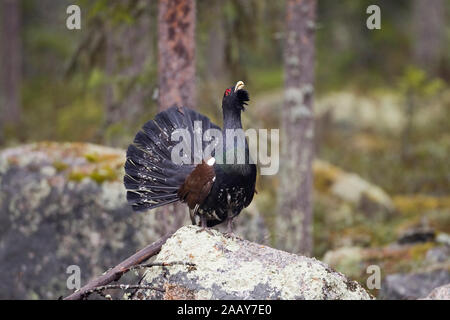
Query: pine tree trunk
x=295, y=218
x=176, y=45
x=176, y=70
x=11, y=56
x=429, y=27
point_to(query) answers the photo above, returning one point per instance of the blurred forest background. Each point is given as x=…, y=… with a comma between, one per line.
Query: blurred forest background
x=381, y=104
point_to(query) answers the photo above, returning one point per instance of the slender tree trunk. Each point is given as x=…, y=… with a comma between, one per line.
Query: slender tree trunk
x=176, y=45
x=295, y=219
x=11, y=62
x=410, y=107
x=429, y=27
x=176, y=70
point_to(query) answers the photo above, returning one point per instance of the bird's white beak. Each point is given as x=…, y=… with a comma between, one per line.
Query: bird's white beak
x=239, y=85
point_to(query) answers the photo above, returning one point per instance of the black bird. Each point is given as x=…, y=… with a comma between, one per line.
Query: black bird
x=215, y=191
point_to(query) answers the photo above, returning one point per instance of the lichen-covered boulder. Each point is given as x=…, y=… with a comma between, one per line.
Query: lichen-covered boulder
x=350, y=188
x=232, y=268
x=64, y=204
x=413, y=285
x=439, y=293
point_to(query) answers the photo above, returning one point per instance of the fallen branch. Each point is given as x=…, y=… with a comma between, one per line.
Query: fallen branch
x=100, y=290
x=163, y=264
x=116, y=273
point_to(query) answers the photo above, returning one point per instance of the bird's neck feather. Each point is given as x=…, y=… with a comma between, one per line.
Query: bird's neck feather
x=231, y=119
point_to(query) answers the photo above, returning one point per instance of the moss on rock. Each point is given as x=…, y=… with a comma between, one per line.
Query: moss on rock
x=231, y=268
x=60, y=207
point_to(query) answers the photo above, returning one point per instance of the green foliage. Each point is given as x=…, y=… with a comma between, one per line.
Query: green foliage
x=264, y=80
x=59, y=111
x=115, y=12
x=116, y=134
x=348, y=55
x=96, y=78
x=45, y=40
x=87, y=114
x=415, y=80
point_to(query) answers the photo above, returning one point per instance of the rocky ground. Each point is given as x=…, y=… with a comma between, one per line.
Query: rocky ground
x=64, y=204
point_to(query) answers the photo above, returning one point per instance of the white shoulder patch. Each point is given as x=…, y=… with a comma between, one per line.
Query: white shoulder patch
x=211, y=161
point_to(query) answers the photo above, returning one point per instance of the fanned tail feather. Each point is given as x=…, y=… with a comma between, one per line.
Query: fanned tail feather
x=152, y=179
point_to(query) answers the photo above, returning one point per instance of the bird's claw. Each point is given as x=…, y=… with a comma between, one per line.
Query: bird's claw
x=232, y=236
x=202, y=229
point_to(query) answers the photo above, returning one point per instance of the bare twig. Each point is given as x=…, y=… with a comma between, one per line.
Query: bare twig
x=100, y=290
x=190, y=265
x=116, y=273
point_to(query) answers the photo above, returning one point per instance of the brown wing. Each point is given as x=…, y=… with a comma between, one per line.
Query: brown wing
x=197, y=185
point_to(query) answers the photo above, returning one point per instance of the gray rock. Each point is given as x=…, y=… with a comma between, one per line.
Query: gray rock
x=351, y=188
x=440, y=293
x=414, y=285
x=62, y=205
x=438, y=254
x=443, y=238
x=232, y=268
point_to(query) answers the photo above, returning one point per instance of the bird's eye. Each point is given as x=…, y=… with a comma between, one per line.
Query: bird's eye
x=227, y=92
